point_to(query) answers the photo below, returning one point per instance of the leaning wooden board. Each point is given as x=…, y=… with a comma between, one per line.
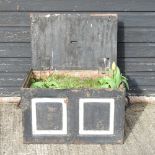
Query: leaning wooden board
x=73, y=41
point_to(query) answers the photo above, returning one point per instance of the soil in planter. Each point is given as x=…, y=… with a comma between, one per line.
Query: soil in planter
x=56, y=81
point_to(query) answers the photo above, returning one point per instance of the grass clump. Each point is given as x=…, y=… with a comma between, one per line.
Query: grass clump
x=65, y=82
x=55, y=81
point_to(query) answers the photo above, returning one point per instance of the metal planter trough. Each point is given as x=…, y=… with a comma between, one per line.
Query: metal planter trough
x=84, y=45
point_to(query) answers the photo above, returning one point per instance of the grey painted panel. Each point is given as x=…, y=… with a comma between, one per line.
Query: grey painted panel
x=73, y=41
x=96, y=116
x=74, y=5
x=49, y=116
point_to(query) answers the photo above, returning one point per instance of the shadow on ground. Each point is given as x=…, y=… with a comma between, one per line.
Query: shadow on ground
x=132, y=115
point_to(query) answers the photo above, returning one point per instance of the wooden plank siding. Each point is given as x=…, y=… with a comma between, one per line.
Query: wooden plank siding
x=136, y=39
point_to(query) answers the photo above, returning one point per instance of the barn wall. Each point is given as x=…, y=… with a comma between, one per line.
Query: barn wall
x=136, y=39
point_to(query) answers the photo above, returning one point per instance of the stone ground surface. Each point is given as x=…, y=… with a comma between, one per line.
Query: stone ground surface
x=139, y=135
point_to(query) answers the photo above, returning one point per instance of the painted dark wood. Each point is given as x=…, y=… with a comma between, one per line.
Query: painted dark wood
x=136, y=50
x=125, y=19
x=15, y=34
x=73, y=97
x=9, y=91
x=49, y=116
x=137, y=64
x=14, y=19
x=15, y=50
x=125, y=35
x=11, y=79
x=73, y=5
x=73, y=41
x=94, y=114
x=125, y=50
x=126, y=65
x=15, y=65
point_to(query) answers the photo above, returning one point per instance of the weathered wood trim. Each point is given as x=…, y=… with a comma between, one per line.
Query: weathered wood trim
x=125, y=19
x=80, y=5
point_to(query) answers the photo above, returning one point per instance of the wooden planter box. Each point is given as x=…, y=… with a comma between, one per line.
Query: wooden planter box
x=72, y=115
x=73, y=41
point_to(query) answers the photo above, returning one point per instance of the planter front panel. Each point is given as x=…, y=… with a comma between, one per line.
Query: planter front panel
x=73, y=116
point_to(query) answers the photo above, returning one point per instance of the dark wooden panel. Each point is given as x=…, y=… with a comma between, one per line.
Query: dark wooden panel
x=137, y=64
x=14, y=19
x=142, y=91
x=128, y=64
x=16, y=34
x=74, y=109
x=9, y=91
x=22, y=34
x=135, y=50
x=125, y=19
x=80, y=5
x=11, y=50
x=15, y=64
x=11, y=79
x=125, y=50
x=136, y=35
x=141, y=79
x=73, y=41
x=136, y=19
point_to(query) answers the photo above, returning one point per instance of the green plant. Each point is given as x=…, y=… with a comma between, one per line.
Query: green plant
x=64, y=82
x=55, y=81
x=115, y=80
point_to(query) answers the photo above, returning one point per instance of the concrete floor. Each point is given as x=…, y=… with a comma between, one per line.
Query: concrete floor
x=139, y=135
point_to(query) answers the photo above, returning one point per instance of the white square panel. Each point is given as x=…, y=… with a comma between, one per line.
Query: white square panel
x=83, y=101
x=34, y=102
